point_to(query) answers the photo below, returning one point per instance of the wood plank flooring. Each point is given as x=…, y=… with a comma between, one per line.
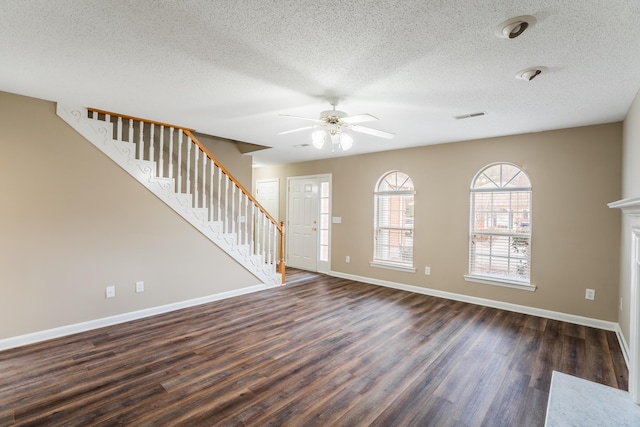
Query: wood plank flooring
x=321, y=351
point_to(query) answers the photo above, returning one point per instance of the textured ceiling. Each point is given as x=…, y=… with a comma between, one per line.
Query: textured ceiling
x=229, y=68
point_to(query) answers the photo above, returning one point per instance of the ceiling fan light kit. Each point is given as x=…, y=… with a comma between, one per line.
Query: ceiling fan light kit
x=346, y=142
x=317, y=139
x=335, y=124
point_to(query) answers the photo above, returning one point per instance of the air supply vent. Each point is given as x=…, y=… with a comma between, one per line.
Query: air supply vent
x=470, y=115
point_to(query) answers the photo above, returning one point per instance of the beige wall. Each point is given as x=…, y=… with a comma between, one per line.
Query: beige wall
x=630, y=188
x=230, y=156
x=73, y=222
x=575, y=236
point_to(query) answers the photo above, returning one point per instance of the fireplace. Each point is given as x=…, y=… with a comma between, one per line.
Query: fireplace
x=631, y=261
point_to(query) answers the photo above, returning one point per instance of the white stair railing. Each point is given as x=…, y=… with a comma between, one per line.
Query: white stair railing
x=179, y=155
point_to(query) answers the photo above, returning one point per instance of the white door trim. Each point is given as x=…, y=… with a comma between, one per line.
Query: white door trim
x=322, y=266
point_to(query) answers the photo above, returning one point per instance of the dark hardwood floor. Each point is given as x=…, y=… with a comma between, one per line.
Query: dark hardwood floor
x=320, y=351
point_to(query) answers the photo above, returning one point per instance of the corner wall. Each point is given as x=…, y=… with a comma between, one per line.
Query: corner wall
x=575, y=236
x=630, y=188
x=72, y=222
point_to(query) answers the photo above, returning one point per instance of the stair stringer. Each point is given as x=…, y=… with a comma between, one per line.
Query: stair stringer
x=144, y=171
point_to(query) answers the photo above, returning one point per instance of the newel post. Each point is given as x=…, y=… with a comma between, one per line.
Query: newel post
x=282, y=265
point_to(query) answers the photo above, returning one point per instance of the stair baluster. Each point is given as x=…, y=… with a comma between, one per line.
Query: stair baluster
x=219, y=204
x=141, y=142
x=179, y=181
x=188, y=171
x=246, y=222
x=151, y=143
x=196, y=158
x=161, y=153
x=204, y=180
x=170, y=156
x=211, y=183
x=119, y=129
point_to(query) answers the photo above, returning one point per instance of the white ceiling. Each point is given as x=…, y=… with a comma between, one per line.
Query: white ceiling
x=229, y=68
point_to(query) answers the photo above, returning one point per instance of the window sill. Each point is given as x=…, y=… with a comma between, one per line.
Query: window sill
x=500, y=282
x=393, y=266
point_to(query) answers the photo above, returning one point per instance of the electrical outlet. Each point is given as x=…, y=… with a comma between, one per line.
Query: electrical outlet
x=427, y=270
x=139, y=287
x=110, y=292
x=347, y=259
x=590, y=294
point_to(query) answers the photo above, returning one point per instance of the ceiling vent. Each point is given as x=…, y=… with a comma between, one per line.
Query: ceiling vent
x=470, y=115
x=530, y=73
x=514, y=27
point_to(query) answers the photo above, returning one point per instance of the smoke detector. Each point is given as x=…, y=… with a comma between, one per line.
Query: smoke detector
x=530, y=73
x=512, y=28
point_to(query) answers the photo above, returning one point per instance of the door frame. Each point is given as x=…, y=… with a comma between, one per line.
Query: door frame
x=322, y=266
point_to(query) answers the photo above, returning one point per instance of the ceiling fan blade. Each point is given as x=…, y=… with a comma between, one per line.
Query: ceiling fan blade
x=299, y=117
x=359, y=118
x=374, y=132
x=297, y=130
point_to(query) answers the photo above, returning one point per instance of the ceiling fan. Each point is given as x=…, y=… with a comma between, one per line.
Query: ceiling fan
x=334, y=123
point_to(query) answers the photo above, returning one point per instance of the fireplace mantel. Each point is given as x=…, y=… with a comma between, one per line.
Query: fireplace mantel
x=630, y=206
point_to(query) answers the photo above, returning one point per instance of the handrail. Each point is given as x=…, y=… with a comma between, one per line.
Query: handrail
x=138, y=119
x=189, y=133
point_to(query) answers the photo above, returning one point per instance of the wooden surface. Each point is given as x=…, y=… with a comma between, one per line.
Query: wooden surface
x=320, y=351
x=138, y=119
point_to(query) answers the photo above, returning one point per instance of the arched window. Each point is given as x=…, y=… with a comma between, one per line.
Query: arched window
x=500, y=225
x=393, y=221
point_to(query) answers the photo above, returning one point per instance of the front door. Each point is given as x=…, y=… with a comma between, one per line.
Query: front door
x=302, y=248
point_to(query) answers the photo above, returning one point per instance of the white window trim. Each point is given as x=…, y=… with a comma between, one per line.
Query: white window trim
x=506, y=283
x=377, y=194
x=494, y=280
x=390, y=266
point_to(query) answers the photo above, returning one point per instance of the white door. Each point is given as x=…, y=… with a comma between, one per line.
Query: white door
x=268, y=195
x=302, y=248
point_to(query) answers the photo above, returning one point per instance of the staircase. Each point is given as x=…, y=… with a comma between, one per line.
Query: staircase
x=176, y=167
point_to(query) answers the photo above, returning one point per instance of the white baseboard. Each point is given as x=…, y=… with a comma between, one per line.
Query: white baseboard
x=623, y=345
x=62, y=331
x=21, y=340
x=548, y=314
